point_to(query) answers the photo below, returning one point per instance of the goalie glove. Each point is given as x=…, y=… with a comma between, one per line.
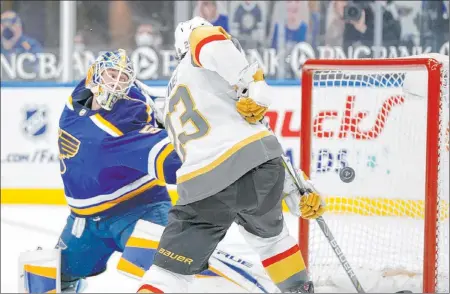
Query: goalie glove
x=308, y=206
x=252, y=91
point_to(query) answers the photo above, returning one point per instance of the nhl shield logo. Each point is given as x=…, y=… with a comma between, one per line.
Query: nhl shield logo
x=35, y=122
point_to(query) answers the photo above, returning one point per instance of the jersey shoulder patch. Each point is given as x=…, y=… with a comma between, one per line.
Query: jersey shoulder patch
x=202, y=36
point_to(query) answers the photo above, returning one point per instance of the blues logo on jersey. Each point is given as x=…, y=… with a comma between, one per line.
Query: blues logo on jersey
x=113, y=160
x=68, y=148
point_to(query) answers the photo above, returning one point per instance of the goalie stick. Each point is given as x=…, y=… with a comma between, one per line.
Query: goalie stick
x=302, y=189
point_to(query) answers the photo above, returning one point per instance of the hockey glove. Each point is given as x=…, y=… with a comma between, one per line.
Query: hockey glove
x=252, y=110
x=308, y=206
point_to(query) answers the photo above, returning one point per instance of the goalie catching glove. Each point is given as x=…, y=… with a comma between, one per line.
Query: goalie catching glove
x=253, y=95
x=308, y=206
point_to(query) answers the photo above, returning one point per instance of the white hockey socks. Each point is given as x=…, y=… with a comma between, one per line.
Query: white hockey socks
x=281, y=258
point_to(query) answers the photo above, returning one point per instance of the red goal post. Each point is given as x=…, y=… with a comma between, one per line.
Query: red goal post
x=335, y=74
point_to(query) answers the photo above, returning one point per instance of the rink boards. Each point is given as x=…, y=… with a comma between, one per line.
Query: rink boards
x=29, y=150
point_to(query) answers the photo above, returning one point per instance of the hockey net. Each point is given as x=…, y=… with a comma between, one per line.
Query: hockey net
x=375, y=143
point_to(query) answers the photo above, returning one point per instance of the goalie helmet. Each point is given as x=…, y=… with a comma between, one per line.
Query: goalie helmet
x=110, y=78
x=182, y=33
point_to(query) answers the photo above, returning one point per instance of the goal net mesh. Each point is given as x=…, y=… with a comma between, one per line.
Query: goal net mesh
x=368, y=145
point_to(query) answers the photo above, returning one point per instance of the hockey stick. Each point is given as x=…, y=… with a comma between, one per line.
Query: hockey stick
x=320, y=220
x=322, y=224
x=249, y=268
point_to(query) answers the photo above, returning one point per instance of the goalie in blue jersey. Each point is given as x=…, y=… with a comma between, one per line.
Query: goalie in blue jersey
x=114, y=163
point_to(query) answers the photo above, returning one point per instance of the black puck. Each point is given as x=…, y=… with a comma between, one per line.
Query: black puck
x=347, y=174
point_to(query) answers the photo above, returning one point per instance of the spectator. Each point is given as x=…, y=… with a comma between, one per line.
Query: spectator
x=248, y=23
x=314, y=22
x=208, y=10
x=434, y=24
x=148, y=34
x=409, y=16
x=391, y=24
x=159, y=14
x=335, y=24
x=361, y=31
x=295, y=28
x=121, y=32
x=15, y=42
x=13, y=38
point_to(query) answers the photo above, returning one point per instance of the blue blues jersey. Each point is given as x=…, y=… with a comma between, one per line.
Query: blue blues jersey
x=112, y=161
x=247, y=20
x=25, y=44
x=292, y=37
x=221, y=21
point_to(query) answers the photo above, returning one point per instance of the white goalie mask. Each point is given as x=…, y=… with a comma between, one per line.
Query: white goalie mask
x=182, y=33
x=110, y=78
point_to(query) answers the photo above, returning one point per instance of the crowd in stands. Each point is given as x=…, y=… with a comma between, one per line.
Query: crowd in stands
x=102, y=25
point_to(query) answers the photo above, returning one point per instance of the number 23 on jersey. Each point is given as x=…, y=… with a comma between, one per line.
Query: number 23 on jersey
x=177, y=123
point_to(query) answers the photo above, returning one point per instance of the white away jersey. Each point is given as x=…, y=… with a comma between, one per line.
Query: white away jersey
x=217, y=146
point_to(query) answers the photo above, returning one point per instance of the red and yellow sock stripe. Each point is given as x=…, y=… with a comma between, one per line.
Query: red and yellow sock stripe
x=284, y=265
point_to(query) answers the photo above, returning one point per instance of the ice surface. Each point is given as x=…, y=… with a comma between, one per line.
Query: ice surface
x=24, y=227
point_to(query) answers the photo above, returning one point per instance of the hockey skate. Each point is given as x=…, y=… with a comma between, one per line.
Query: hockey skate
x=307, y=287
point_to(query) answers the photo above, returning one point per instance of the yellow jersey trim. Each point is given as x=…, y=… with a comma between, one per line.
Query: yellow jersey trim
x=223, y=157
x=105, y=125
x=202, y=36
x=160, y=161
x=112, y=203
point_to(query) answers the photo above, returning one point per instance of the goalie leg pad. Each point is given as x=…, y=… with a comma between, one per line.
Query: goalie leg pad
x=281, y=258
x=40, y=271
x=139, y=233
x=140, y=249
x=159, y=280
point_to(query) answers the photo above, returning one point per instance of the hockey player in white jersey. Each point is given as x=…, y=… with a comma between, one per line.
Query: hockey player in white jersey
x=231, y=171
